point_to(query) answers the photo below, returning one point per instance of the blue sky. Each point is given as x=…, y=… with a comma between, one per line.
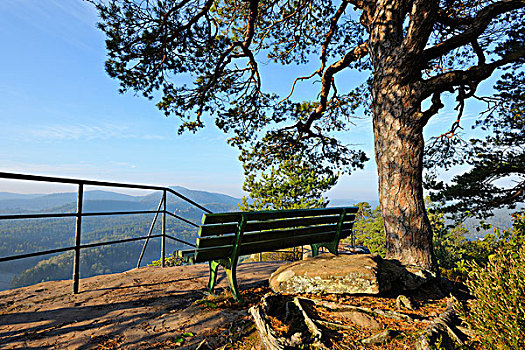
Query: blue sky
x=61, y=115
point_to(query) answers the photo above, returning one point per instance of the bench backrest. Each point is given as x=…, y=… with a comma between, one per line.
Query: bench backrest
x=260, y=231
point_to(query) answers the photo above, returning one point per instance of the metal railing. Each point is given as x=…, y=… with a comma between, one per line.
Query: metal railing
x=79, y=214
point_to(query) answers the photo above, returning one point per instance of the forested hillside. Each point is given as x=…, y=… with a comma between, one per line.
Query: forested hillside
x=31, y=235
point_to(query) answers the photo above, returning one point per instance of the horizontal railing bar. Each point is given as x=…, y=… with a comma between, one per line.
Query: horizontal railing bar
x=181, y=241
x=37, y=216
x=106, y=213
x=76, y=181
x=92, y=245
x=182, y=219
x=62, y=215
x=97, y=183
x=30, y=255
x=60, y=250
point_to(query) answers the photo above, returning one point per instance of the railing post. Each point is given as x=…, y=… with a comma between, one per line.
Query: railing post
x=78, y=230
x=163, y=238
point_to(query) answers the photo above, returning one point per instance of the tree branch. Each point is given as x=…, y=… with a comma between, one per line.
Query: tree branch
x=331, y=31
x=476, y=28
x=433, y=109
x=191, y=22
x=326, y=81
x=470, y=77
x=422, y=18
x=324, y=47
x=478, y=51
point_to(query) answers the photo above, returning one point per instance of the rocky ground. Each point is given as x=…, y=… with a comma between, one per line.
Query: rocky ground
x=155, y=308
x=150, y=307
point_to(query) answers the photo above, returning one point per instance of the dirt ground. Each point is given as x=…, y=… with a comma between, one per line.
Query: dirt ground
x=146, y=308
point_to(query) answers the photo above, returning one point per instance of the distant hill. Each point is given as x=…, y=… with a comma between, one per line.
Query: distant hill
x=22, y=203
x=10, y=195
x=14, y=202
x=200, y=197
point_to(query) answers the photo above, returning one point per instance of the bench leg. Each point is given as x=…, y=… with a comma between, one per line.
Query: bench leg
x=331, y=246
x=214, y=266
x=315, y=249
x=232, y=280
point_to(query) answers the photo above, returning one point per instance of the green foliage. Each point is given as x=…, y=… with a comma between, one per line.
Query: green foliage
x=293, y=184
x=448, y=242
x=369, y=229
x=496, y=178
x=497, y=314
x=455, y=253
x=182, y=337
x=170, y=260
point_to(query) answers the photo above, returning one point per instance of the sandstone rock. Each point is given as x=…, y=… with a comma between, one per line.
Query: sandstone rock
x=351, y=274
x=361, y=319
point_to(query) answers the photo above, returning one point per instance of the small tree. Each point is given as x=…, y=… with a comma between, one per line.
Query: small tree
x=293, y=184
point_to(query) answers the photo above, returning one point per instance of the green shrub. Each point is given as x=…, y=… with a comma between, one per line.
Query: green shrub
x=168, y=261
x=369, y=229
x=497, y=314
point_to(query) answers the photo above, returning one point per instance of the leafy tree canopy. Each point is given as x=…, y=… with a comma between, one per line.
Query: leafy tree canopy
x=204, y=57
x=497, y=176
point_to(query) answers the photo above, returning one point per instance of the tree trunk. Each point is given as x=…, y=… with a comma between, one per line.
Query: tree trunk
x=398, y=132
x=399, y=145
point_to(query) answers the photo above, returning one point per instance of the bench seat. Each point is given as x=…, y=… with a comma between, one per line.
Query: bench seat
x=224, y=237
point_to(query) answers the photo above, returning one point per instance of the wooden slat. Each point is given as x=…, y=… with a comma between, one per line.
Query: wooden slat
x=222, y=229
x=208, y=254
x=288, y=242
x=217, y=229
x=290, y=223
x=223, y=218
x=220, y=252
x=207, y=242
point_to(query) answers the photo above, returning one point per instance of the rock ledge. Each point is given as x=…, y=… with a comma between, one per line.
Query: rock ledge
x=346, y=274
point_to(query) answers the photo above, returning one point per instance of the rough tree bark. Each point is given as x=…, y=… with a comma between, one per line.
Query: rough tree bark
x=398, y=131
x=399, y=156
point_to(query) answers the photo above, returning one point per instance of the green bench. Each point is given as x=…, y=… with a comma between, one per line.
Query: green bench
x=224, y=237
